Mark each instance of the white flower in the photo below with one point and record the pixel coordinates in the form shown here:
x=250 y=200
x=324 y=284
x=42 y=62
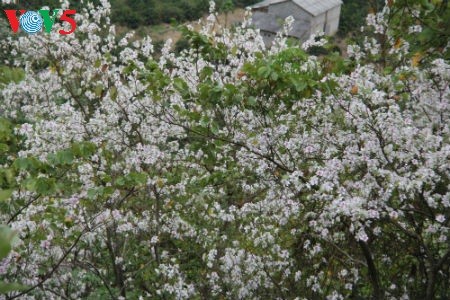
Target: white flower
x=440 y=218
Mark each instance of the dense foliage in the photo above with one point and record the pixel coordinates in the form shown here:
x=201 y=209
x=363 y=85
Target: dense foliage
x=354 y=12
x=228 y=170
x=135 y=13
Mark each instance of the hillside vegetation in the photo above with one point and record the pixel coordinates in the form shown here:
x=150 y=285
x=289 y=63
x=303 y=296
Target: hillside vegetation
x=136 y=13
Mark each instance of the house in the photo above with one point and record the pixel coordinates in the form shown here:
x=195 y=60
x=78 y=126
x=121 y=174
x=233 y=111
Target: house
x=310 y=16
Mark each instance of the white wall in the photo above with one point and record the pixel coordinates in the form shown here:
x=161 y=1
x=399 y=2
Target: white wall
x=288 y=8
x=333 y=20
x=318 y=23
x=327 y=22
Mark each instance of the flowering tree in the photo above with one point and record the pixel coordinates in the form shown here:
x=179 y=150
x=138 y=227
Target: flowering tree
x=229 y=170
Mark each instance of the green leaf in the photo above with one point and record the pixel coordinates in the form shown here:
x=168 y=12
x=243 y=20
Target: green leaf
x=21 y=163
x=299 y=85
x=205 y=73
x=8 y=176
x=113 y=93
x=92 y=193
x=84 y=149
x=274 y=76
x=26 y=163
x=29 y=184
x=4 y=148
x=214 y=128
x=61 y=158
x=6 y=235
x=97 y=63
x=8 y=75
x=264 y=72
x=45 y=186
x=5 y=194
x=132 y=179
x=11 y=287
x=217 y=89
x=251 y=101
x=65 y=157
x=120 y=181
x=138 y=178
x=181 y=86
x=98 y=90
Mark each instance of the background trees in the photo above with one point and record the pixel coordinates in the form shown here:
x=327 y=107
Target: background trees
x=135 y=13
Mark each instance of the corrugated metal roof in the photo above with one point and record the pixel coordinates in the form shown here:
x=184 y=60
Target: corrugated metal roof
x=317 y=7
x=266 y=3
x=314 y=7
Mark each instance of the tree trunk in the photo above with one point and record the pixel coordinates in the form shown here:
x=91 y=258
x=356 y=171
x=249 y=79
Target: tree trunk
x=431 y=276
x=378 y=293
